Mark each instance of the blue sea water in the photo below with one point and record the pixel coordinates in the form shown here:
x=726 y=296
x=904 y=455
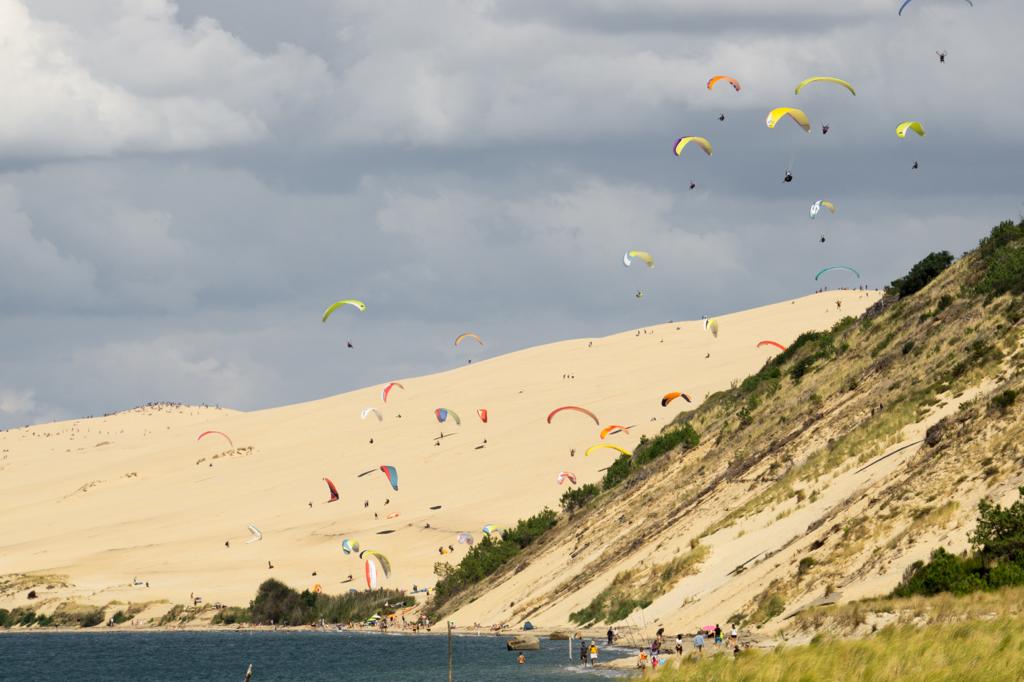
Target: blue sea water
x=277 y=657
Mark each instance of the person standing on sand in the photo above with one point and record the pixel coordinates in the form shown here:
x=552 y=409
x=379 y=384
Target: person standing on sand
x=718 y=636
x=698 y=644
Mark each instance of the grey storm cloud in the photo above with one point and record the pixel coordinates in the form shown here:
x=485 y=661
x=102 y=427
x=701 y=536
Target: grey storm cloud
x=185 y=186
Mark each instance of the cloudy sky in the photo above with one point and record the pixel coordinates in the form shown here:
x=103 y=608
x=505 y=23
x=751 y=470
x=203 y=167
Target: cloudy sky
x=184 y=186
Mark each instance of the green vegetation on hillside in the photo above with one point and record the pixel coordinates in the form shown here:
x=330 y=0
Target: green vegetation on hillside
x=638 y=587
x=488 y=556
x=997 y=559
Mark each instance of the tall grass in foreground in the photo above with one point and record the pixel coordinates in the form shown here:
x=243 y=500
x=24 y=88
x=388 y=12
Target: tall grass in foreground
x=990 y=650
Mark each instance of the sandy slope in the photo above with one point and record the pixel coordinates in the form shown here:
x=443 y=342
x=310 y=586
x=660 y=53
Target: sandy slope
x=134 y=495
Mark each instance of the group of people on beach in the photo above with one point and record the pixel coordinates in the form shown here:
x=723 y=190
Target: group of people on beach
x=652 y=658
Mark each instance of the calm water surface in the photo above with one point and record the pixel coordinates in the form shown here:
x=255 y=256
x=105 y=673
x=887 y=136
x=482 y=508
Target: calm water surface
x=277 y=657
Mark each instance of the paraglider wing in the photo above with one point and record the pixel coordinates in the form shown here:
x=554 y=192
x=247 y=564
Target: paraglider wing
x=358 y=305
x=573 y=408
x=490 y=529
x=701 y=142
x=627 y=259
x=775 y=115
x=826 y=79
x=566 y=476
x=371 y=410
x=608 y=446
x=907 y=2
x=731 y=81
x=334 y=491
x=349 y=546
x=442 y=414
x=901 y=129
x=465 y=539
x=392 y=475
x=218 y=433
x=468 y=335
x=381 y=559
x=256 y=534
x=778 y=345
x=482 y=413
x=711 y=325
x=669 y=397
x=817 y=206
x=836 y=267
x=387 y=390
x=614 y=428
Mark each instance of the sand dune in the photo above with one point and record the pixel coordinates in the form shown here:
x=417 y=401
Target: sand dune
x=134 y=495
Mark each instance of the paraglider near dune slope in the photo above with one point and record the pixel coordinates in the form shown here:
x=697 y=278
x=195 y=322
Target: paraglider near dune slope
x=392 y=475
x=669 y=397
x=333 y=490
x=573 y=408
x=387 y=390
x=762 y=344
x=216 y=433
x=836 y=267
x=606 y=446
x=442 y=414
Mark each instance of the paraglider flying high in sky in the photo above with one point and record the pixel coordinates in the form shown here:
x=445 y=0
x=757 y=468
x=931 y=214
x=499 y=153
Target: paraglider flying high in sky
x=607 y=446
x=387 y=390
x=442 y=414
x=799 y=117
x=334 y=491
x=728 y=79
x=392 y=475
x=901 y=129
x=215 y=433
x=817 y=206
x=907 y=2
x=573 y=408
x=627 y=258
x=468 y=335
x=825 y=79
x=358 y=305
x=836 y=267
x=669 y=397
x=701 y=142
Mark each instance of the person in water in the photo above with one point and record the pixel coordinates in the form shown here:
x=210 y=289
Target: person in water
x=248 y=673
x=611 y=636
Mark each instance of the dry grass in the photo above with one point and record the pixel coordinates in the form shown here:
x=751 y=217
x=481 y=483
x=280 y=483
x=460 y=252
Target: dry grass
x=989 y=651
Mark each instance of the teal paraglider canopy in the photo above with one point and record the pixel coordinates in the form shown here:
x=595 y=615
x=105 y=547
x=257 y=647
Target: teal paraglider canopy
x=836 y=267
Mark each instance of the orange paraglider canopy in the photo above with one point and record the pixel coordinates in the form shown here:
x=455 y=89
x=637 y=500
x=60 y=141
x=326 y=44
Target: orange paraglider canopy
x=614 y=428
x=669 y=397
x=729 y=79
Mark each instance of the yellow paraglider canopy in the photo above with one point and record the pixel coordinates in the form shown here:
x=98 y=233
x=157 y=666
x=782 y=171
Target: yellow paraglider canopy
x=827 y=79
x=606 y=445
x=901 y=129
x=701 y=142
x=358 y=305
x=775 y=115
